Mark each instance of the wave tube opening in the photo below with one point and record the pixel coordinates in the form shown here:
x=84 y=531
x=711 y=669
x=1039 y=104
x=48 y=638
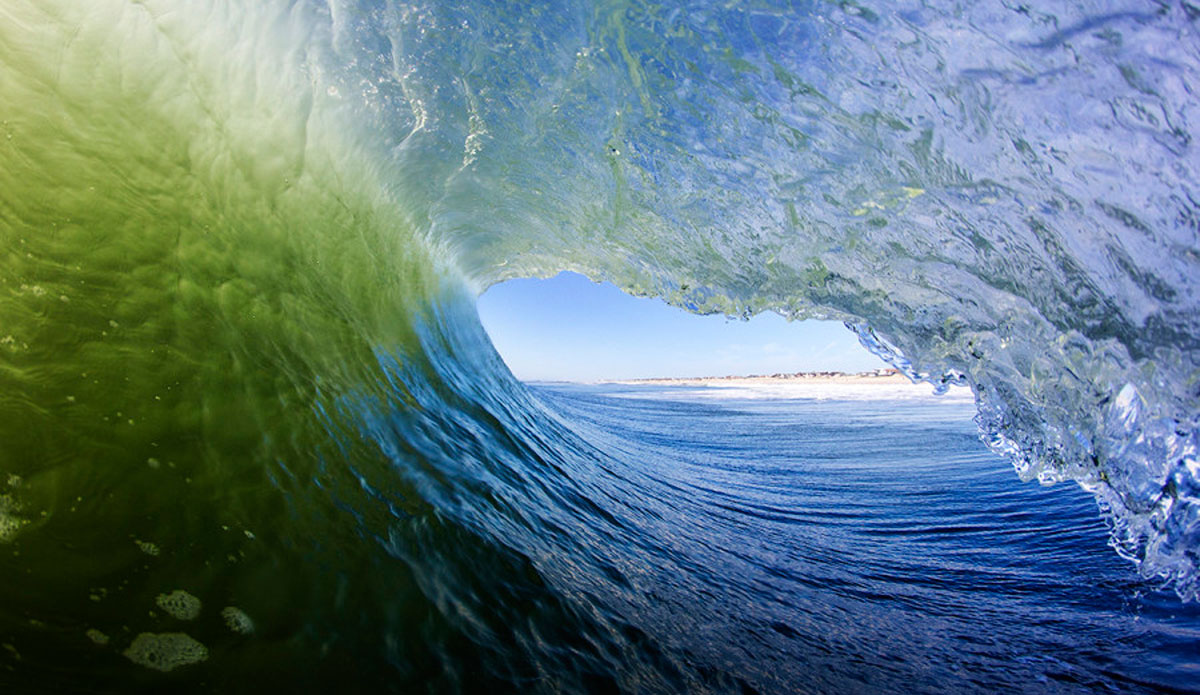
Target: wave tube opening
x=568 y=328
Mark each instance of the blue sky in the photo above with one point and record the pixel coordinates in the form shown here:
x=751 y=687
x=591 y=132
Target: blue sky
x=569 y=328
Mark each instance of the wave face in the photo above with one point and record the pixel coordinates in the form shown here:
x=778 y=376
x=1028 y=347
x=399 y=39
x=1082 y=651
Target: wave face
x=239 y=358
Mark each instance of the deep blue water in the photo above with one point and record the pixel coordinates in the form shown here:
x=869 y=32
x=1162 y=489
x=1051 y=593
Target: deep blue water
x=864 y=546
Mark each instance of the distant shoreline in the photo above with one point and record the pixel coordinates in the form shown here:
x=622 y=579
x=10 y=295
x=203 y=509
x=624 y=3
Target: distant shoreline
x=881 y=384
x=882 y=377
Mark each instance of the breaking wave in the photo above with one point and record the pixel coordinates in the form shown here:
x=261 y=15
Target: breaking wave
x=242 y=243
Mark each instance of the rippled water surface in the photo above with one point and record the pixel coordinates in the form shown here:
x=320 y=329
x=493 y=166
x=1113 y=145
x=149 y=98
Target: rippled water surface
x=868 y=546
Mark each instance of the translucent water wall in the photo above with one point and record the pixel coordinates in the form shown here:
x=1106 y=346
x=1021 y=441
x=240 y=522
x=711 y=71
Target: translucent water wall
x=260 y=198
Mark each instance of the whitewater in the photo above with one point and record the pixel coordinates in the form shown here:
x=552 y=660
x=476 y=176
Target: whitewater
x=242 y=379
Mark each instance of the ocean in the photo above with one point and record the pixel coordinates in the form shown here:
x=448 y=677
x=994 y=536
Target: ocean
x=251 y=428
x=691 y=539
x=845 y=546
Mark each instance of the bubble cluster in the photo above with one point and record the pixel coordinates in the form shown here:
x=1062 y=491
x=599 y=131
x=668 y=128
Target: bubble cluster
x=166 y=651
x=179 y=604
x=96 y=636
x=148 y=547
x=237 y=620
x=10 y=523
